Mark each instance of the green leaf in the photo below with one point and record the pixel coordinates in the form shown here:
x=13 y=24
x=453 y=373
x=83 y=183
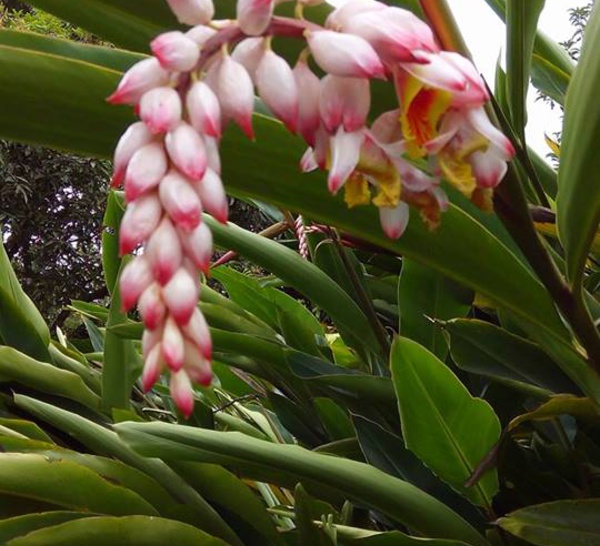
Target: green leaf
x=307 y=510
x=424 y=294
x=43 y=377
x=111 y=260
x=439 y=419
x=107 y=57
x=21 y=525
x=549 y=79
x=66 y=484
x=521 y=25
x=334 y=419
x=482 y=348
x=126 y=531
x=578 y=201
x=397 y=499
x=20 y=322
x=560 y=523
x=26 y=428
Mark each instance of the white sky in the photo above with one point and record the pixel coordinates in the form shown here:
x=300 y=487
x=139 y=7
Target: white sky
x=485 y=36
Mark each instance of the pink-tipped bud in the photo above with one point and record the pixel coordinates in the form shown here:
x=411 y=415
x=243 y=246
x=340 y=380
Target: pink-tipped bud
x=394 y=219
x=212 y=153
x=309 y=90
x=344 y=102
x=197 y=331
x=345 y=153
x=173 y=348
x=134 y=279
x=197 y=367
x=164 y=252
x=186 y=150
x=345 y=55
x=308 y=162
x=150 y=338
x=139 y=222
x=254 y=16
x=145 y=170
x=192 y=12
x=153 y=366
x=180 y=295
x=198 y=246
x=236 y=94
x=151 y=307
x=160 y=109
x=213 y=197
x=136 y=136
x=182 y=392
x=200 y=34
x=204 y=109
x=277 y=87
x=141 y=77
x=175 y=51
x=248 y=53
x=339 y=18
x=180 y=201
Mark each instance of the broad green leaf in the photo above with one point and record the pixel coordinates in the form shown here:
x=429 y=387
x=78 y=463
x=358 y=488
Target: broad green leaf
x=116 y=59
x=224 y=490
x=439 y=418
x=549 y=79
x=560 y=523
x=395 y=498
x=425 y=295
x=43 y=377
x=66 y=484
x=578 y=201
x=95 y=335
x=521 y=24
x=106 y=442
x=483 y=348
x=21 y=525
x=582 y=408
x=72 y=361
x=26 y=428
x=334 y=419
x=23 y=315
x=125 y=531
x=307 y=510
x=274 y=177
x=354 y=536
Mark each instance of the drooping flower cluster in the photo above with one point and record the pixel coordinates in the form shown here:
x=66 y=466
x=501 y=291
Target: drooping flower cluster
x=198 y=81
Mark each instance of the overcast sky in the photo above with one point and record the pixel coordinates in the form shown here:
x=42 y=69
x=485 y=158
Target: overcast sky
x=485 y=36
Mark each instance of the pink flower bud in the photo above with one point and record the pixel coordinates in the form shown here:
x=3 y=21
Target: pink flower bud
x=150 y=338
x=175 y=51
x=200 y=34
x=182 y=392
x=345 y=55
x=151 y=307
x=198 y=246
x=204 y=110
x=134 y=279
x=196 y=330
x=393 y=32
x=212 y=195
x=186 y=150
x=339 y=17
x=180 y=295
x=435 y=71
x=141 y=77
x=196 y=366
x=160 y=109
x=153 y=366
x=173 y=348
x=501 y=145
x=192 y=12
x=345 y=153
x=164 y=252
x=394 y=219
x=254 y=16
x=236 y=94
x=136 y=136
x=277 y=87
x=145 y=170
x=344 y=102
x=180 y=201
x=309 y=89
x=139 y=222
x=212 y=153
x=248 y=53
x=488 y=168
x=308 y=163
